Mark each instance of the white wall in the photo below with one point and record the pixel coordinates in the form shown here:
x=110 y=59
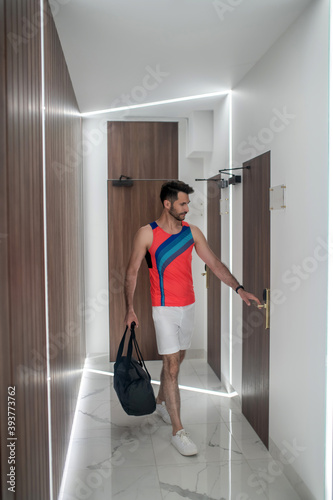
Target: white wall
x=219 y=159
x=292 y=80
x=212 y=162
x=190 y=169
x=96 y=234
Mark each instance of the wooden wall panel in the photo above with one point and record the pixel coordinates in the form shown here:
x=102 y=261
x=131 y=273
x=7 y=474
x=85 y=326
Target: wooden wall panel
x=65 y=245
x=23 y=269
x=141 y=150
x=5 y=365
x=25 y=249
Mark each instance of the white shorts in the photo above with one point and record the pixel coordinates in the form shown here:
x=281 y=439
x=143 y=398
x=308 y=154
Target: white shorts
x=174 y=328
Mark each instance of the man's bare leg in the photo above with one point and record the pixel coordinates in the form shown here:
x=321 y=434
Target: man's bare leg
x=160 y=397
x=169 y=390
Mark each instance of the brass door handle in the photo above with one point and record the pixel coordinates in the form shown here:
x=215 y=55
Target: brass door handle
x=267 y=307
x=207 y=276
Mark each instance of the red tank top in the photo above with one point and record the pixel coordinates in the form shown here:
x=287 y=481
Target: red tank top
x=170 y=267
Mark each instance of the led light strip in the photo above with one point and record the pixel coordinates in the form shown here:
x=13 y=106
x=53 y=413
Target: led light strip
x=156 y=103
x=230 y=240
x=70 y=446
x=231 y=290
x=47 y=327
x=185 y=387
x=329 y=359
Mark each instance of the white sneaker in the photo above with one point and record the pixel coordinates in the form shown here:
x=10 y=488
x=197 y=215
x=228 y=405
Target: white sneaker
x=184 y=444
x=162 y=411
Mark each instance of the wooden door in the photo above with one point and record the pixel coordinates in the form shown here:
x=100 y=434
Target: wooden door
x=214 y=284
x=141 y=150
x=256 y=278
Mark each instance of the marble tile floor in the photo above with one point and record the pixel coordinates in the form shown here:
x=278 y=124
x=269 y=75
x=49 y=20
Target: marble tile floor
x=116 y=456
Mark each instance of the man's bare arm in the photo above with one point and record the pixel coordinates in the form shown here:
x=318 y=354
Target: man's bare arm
x=142 y=241
x=219 y=269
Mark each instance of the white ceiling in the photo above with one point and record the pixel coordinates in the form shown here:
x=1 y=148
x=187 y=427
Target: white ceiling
x=113 y=48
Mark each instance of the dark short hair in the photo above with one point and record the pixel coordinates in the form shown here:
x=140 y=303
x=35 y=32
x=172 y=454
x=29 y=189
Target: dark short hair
x=170 y=190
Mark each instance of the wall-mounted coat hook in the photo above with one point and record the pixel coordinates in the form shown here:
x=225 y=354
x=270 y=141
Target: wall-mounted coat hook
x=227 y=170
x=123 y=181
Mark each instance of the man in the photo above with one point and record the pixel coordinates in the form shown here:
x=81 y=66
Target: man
x=167 y=245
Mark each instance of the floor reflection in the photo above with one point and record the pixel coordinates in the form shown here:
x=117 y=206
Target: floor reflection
x=116 y=456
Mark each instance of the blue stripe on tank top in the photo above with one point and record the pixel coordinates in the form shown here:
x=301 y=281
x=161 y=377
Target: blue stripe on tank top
x=174 y=256
x=173 y=252
x=170 y=242
x=162 y=289
x=165 y=255
x=165 y=265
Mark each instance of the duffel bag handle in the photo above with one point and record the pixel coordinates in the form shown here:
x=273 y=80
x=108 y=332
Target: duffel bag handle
x=122 y=343
x=138 y=353
x=130 y=349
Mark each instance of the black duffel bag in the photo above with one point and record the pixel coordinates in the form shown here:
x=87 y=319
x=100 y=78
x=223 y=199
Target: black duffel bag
x=132 y=379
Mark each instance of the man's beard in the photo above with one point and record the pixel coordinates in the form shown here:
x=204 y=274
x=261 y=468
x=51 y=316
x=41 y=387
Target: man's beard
x=176 y=215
